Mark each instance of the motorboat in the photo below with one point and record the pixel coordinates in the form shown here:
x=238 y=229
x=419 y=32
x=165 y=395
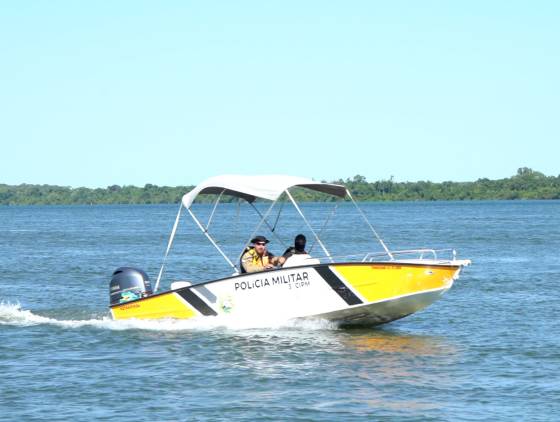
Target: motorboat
x=365 y=288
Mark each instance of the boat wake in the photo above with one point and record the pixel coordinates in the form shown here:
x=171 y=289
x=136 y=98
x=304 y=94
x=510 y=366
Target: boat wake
x=14 y=315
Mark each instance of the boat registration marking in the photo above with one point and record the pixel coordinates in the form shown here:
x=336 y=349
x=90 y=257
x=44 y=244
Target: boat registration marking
x=126 y=307
x=292 y=280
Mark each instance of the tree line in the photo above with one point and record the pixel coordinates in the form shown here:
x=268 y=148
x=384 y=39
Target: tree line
x=526 y=184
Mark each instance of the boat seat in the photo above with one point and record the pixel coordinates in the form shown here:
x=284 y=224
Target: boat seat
x=180 y=284
x=300 y=259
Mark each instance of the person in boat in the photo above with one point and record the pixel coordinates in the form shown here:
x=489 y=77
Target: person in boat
x=258 y=258
x=297 y=255
x=298 y=248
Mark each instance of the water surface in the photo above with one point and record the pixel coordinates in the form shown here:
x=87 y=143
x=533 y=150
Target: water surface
x=490 y=349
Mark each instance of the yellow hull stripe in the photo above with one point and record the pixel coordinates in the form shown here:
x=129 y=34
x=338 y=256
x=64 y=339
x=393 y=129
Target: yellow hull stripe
x=163 y=306
x=381 y=282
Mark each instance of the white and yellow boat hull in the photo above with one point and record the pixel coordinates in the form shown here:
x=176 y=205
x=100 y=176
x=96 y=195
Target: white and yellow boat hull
x=347 y=293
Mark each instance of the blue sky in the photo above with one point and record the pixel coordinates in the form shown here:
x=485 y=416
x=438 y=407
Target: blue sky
x=132 y=92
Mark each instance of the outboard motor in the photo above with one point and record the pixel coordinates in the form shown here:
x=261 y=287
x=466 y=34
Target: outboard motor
x=128 y=284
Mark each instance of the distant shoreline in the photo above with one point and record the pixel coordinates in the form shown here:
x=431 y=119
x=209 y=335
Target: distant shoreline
x=526 y=184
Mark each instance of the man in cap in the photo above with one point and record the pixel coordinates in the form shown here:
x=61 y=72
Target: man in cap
x=298 y=248
x=257 y=257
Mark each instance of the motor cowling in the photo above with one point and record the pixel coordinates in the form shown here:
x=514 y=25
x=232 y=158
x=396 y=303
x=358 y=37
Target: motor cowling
x=128 y=284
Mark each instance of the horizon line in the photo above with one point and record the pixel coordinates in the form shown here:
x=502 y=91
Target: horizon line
x=520 y=171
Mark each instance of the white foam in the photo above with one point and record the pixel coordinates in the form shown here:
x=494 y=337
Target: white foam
x=13 y=314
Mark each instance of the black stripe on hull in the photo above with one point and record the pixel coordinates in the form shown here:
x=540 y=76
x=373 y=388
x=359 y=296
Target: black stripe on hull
x=196 y=302
x=338 y=286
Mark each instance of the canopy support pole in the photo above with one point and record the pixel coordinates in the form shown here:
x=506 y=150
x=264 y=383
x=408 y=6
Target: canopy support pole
x=272 y=229
x=169 y=243
x=370 y=226
x=324 y=226
x=263 y=219
x=198 y=223
x=214 y=209
x=309 y=225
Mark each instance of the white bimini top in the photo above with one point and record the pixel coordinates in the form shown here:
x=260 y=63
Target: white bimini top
x=252 y=187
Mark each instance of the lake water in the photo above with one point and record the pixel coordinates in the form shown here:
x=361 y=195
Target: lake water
x=489 y=349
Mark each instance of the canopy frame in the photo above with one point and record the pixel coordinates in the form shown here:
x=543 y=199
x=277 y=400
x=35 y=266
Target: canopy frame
x=221 y=190
x=333 y=212
x=273 y=228
x=317 y=238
